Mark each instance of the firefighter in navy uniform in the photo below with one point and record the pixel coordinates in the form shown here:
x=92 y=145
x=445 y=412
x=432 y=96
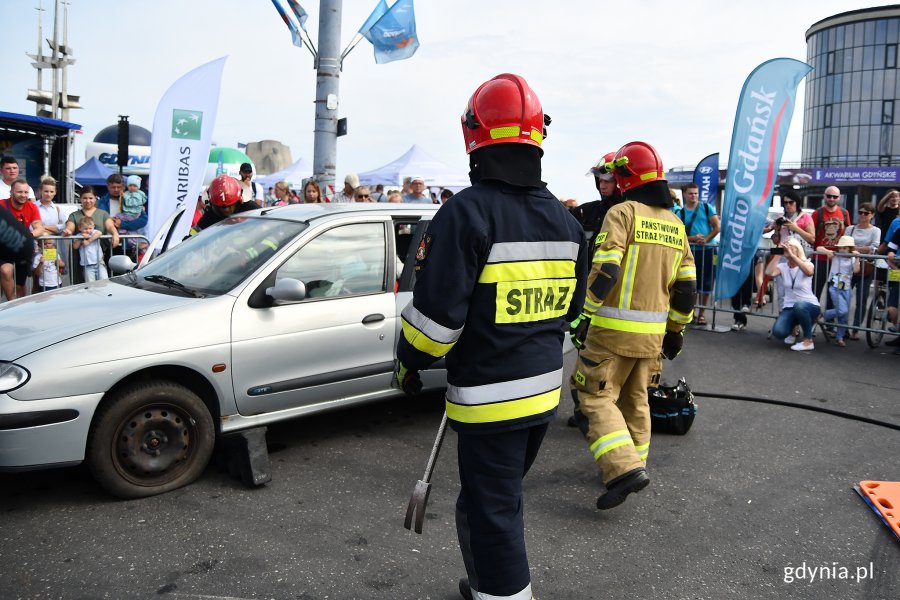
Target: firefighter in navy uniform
x=224 y=200
x=640 y=298
x=591 y=216
x=499 y=270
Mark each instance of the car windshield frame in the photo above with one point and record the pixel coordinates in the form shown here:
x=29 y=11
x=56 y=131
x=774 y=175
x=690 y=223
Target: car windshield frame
x=221 y=257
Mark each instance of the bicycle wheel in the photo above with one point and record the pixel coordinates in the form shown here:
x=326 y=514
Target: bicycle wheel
x=877 y=319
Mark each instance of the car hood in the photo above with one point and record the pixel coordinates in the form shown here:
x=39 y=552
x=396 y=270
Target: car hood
x=41 y=320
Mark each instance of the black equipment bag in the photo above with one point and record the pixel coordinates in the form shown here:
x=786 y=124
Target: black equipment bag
x=672 y=408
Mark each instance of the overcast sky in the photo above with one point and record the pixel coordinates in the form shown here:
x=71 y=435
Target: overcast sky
x=668 y=73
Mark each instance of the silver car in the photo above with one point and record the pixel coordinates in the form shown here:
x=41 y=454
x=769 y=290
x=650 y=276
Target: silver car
x=269 y=315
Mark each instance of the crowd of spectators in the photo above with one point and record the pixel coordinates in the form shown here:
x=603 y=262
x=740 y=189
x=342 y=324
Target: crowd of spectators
x=823 y=246
x=96 y=227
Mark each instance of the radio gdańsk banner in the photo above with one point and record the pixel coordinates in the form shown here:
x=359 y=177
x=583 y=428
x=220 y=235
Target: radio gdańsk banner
x=182 y=135
x=764 y=112
x=706 y=177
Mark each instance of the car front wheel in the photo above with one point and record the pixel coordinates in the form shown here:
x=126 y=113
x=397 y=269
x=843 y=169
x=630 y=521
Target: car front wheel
x=149 y=438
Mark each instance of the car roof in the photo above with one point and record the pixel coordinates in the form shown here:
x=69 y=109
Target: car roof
x=311 y=212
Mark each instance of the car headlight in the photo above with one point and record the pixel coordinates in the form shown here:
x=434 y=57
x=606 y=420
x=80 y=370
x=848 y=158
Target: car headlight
x=12 y=376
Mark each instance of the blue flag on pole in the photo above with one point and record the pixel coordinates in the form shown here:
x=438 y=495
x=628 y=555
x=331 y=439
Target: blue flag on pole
x=394 y=35
x=379 y=12
x=299 y=13
x=764 y=112
x=292 y=27
x=706 y=177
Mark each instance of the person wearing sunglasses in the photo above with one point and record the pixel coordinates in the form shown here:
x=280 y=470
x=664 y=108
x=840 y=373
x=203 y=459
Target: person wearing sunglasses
x=362 y=194
x=829 y=221
x=866 y=237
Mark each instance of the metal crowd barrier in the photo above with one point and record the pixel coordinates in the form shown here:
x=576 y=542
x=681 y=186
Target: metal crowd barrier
x=127 y=243
x=868 y=298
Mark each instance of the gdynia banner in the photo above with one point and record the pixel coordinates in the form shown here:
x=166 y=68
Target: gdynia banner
x=763 y=116
x=182 y=134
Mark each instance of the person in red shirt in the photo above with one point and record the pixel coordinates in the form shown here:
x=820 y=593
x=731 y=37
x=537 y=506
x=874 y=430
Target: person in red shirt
x=829 y=222
x=13 y=275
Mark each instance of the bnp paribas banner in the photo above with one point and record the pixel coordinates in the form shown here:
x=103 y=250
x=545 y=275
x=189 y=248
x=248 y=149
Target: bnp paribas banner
x=763 y=116
x=182 y=135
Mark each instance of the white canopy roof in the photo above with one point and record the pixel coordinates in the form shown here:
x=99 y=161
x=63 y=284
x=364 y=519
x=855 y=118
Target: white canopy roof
x=416 y=163
x=294 y=175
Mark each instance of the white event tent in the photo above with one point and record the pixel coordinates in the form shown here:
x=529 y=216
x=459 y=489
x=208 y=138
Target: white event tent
x=416 y=163
x=293 y=175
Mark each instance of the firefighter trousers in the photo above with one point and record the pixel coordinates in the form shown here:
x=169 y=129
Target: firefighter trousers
x=489 y=510
x=612 y=391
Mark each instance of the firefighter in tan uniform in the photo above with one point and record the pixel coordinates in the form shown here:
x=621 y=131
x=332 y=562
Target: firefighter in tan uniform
x=640 y=298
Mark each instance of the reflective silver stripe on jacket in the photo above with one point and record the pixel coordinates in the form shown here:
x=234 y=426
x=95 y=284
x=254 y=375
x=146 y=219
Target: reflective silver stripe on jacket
x=640 y=316
x=435 y=331
x=516 y=251
x=505 y=390
x=523 y=595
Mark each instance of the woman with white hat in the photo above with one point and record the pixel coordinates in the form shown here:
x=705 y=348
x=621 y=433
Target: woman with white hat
x=839 y=279
x=801 y=307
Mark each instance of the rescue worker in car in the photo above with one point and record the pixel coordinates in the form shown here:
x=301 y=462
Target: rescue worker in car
x=639 y=300
x=591 y=215
x=224 y=200
x=499 y=270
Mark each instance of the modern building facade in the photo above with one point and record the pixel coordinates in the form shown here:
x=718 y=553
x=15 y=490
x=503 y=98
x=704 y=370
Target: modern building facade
x=851 y=115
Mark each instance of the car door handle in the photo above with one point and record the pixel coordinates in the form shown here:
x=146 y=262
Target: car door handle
x=374 y=318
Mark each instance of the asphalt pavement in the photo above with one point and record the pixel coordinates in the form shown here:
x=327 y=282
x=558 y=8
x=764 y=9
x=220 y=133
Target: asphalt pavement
x=756 y=501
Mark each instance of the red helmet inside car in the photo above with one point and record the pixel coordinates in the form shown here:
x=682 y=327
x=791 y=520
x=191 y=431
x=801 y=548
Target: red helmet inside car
x=224 y=191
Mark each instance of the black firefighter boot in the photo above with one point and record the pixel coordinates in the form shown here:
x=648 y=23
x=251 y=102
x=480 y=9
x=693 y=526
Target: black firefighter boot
x=618 y=489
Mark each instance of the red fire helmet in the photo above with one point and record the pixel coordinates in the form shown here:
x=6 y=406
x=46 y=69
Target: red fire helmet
x=599 y=169
x=503 y=110
x=224 y=191
x=635 y=164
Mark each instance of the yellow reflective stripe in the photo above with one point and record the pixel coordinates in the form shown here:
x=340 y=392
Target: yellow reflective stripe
x=271 y=244
x=687 y=273
x=650 y=175
x=505 y=410
x=643 y=450
x=680 y=317
x=675 y=263
x=629 y=326
x=611 y=441
x=608 y=256
x=537 y=136
x=504 y=132
x=590 y=306
x=627 y=290
x=525 y=270
x=422 y=342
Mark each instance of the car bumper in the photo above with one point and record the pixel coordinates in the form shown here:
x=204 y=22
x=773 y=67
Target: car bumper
x=39 y=433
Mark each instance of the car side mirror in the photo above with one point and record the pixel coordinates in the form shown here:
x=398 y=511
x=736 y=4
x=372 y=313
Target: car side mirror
x=121 y=264
x=287 y=290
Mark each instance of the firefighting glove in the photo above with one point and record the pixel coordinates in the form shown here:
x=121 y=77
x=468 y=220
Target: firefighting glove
x=407 y=380
x=672 y=343
x=578 y=330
